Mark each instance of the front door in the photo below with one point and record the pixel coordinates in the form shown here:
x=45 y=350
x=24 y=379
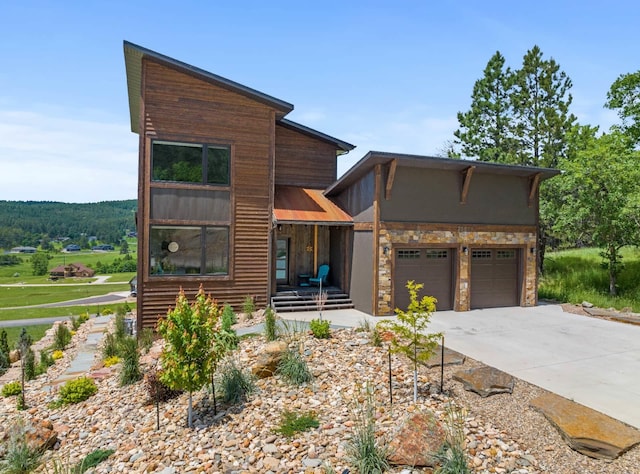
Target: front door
x=282 y=261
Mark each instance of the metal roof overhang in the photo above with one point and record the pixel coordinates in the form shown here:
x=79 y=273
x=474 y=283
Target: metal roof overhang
x=294 y=205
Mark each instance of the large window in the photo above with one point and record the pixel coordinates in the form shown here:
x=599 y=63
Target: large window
x=190 y=163
x=189 y=250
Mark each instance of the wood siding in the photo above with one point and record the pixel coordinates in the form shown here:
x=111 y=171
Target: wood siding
x=180 y=107
x=304 y=161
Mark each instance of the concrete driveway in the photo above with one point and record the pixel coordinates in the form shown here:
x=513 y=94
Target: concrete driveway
x=591 y=361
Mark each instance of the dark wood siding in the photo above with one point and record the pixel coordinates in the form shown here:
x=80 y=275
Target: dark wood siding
x=358 y=198
x=304 y=161
x=433 y=267
x=301 y=238
x=431 y=195
x=494 y=277
x=180 y=107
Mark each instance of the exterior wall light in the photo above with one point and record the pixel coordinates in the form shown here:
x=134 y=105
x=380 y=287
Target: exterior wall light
x=465 y=250
x=385 y=250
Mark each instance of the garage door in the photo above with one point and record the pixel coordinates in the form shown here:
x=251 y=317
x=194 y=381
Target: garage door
x=432 y=267
x=494 y=278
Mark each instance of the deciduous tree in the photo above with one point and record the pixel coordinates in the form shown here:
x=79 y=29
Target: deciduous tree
x=600 y=198
x=409 y=328
x=189 y=355
x=624 y=97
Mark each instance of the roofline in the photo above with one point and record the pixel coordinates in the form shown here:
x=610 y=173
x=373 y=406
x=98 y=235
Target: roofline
x=342 y=145
x=134 y=54
x=373 y=158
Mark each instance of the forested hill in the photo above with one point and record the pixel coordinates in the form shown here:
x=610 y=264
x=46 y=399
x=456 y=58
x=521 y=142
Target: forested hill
x=27 y=222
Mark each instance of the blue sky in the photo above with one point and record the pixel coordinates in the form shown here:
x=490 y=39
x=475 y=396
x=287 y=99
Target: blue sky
x=383 y=75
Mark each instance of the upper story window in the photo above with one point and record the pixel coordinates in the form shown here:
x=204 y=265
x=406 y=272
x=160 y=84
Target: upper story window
x=190 y=163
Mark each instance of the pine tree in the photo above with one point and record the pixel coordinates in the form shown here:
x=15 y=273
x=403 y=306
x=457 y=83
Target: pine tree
x=624 y=96
x=485 y=130
x=541 y=101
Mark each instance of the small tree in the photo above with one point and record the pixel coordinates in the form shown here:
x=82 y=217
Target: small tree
x=410 y=330
x=40 y=263
x=5 y=362
x=189 y=355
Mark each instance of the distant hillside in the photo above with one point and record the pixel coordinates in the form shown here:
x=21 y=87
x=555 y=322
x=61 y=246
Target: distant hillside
x=27 y=222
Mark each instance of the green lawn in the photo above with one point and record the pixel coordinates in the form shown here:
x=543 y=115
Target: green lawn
x=34 y=313
x=23 y=272
x=575 y=276
x=11 y=296
x=36 y=332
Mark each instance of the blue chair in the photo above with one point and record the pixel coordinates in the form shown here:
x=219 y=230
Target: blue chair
x=323 y=273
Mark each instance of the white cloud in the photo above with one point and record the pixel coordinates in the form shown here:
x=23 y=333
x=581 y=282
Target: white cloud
x=49 y=157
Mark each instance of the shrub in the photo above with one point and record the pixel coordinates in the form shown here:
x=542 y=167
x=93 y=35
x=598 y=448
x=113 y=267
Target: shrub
x=226 y=340
x=106 y=312
x=270 y=327
x=294 y=369
x=120 y=330
x=451 y=455
x=128 y=350
x=157 y=390
x=55 y=355
x=110 y=346
x=75 y=323
x=61 y=337
x=78 y=390
x=12 y=388
x=109 y=361
x=5 y=362
x=248 y=306
x=229 y=317
x=20 y=457
x=363 y=449
x=46 y=361
x=83 y=318
x=235 y=384
x=292 y=422
x=320 y=328
x=145 y=339
x=92 y=460
x=29 y=364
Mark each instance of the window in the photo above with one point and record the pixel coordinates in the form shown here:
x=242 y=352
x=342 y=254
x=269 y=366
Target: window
x=408 y=254
x=481 y=254
x=190 y=163
x=506 y=254
x=436 y=254
x=189 y=250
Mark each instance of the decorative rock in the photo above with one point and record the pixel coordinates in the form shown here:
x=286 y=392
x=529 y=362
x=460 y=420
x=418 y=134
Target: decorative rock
x=267 y=362
x=419 y=437
x=450 y=358
x=40 y=435
x=586 y=304
x=585 y=430
x=14 y=356
x=485 y=381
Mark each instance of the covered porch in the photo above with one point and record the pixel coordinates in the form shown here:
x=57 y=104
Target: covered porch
x=309 y=232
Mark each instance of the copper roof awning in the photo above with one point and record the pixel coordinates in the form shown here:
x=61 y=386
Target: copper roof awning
x=295 y=205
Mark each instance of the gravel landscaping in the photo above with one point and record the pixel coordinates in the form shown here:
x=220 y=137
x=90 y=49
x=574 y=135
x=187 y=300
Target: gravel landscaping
x=502 y=433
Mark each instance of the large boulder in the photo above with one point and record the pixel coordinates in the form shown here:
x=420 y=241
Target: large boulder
x=418 y=438
x=585 y=430
x=268 y=359
x=485 y=381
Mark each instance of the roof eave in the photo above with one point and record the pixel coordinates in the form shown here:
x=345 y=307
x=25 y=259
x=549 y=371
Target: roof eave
x=341 y=145
x=134 y=54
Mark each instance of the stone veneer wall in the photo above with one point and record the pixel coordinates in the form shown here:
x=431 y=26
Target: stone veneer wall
x=391 y=236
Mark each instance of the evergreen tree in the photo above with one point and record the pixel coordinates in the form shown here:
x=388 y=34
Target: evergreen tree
x=485 y=130
x=541 y=101
x=40 y=263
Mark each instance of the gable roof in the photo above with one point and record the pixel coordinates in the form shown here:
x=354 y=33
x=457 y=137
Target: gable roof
x=342 y=146
x=373 y=158
x=133 y=55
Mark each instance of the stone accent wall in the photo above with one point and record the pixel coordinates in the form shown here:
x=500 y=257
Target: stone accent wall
x=402 y=234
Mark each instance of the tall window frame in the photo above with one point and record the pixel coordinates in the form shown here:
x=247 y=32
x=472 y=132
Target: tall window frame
x=184 y=183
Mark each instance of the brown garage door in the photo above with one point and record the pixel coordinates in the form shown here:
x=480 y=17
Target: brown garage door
x=432 y=267
x=494 y=278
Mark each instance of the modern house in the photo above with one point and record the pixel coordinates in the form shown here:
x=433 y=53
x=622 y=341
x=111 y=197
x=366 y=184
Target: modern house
x=237 y=198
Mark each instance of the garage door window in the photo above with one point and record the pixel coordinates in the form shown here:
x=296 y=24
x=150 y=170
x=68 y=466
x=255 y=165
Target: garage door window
x=436 y=254
x=408 y=254
x=505 y=254
x=481 y=254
